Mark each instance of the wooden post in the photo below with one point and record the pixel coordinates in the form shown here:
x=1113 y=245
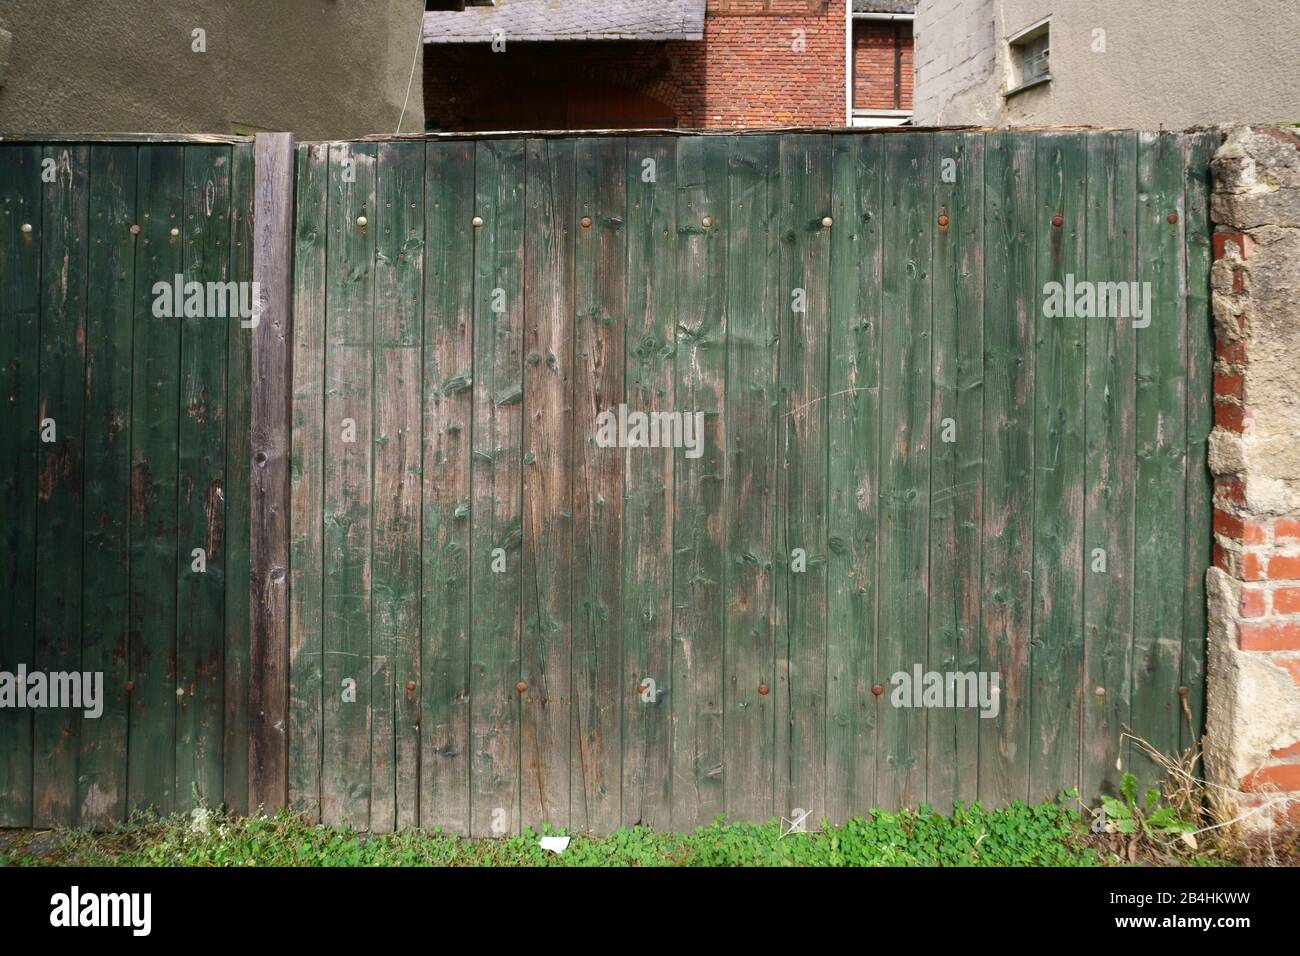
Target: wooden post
x=269 y=431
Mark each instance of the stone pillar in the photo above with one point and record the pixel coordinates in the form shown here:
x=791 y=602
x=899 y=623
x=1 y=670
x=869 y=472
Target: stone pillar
x=1252 y=743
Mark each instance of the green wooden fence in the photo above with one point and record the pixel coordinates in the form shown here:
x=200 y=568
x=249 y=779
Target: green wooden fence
x=121 y=434
x=495 y=621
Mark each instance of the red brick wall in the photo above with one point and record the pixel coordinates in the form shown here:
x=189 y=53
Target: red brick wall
x=874 y=59
x=745 y=72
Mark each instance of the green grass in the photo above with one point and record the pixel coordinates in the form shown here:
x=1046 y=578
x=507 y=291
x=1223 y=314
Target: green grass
x=1047 y=834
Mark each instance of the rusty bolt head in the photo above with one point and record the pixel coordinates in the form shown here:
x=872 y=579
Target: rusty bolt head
x=521 y=687
x=640 y=688
x=1058 y=220
x=27 y=229
x=476 y=221
x=129 y=685
x=943 y=221
x=410 y=685
x=135 y=229
x=707 y=222
x=1173 y=218
x=585 y=222
x=762 y=690
x=877 y=689
x=1183 y=692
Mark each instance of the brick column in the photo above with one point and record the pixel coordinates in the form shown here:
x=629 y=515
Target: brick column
x=1252 y=745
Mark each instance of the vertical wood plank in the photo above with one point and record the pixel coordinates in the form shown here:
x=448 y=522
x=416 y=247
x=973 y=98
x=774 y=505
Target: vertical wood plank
x=1056 y=682
x=155 y=419
x=547 y=472
x=1109 y=468
x=648 y=516
x=1160 y=562
x=496 y=511
x=854 y=429
x=56 y=731
x=1011 y=302
x=306 y=489
x=447 y=418
x=270 y=431
x=1198 y=151
x=21 y=197
x=952 y=763
x=753 y=350
x=905 y=438
x=805 y=276
x=699 y=536
x=600 y=303
x=237 y=489
x=399 y=319
x=201 y=509
x=348 y=476
x=101 y=777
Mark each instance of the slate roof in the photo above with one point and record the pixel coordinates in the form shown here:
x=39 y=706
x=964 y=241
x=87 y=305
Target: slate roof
x=569 y=20
x=884 y=6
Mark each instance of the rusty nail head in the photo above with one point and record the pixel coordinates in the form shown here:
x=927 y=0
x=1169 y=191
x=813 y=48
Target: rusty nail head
x=129 y=685
x=586 y=222
x=943 y=220
x=762 y=690
x=1173 y=218
x=877 y=689
x=410 y=685
x=1183 y=692
x=1058 y=220
x=640 y=688
x=521 y=687
x=135 y=229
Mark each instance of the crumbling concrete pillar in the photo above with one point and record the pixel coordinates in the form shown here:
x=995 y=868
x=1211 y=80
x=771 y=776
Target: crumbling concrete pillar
x=1252 y=744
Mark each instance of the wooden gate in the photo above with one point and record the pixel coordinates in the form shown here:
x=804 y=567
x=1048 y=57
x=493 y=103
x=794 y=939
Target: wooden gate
x=909 y=460
x=916 y=454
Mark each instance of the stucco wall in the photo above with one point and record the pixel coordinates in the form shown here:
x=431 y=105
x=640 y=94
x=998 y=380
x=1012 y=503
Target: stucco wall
x=1176 y=63
x=317 y=68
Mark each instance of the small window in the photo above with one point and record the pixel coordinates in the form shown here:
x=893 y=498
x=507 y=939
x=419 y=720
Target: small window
x=1029 y=55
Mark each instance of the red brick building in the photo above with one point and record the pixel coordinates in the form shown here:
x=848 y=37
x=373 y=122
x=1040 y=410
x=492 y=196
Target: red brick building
x=592 y=64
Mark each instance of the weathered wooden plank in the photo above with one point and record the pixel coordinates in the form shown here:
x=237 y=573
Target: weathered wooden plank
x=21 y=196
x=496 y=511
x=110 y=304
x=348 y=476
x=956 y=459
x=269 y=428
x=1109 y=468
x=1056 y=663
x=306 y=490
x=600 y=302
x=1161 y=427
x=699 y=536
x=1198 y=151
x=805 y=303
x=1011 y=304
x=237 y=489
x=399 y=320
x=447 y=418
x=754 y=301
x=64 y=250
x=853 y=398
x=547 y=476
x=155 y=417
x=201 y=509
x=905 y=440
